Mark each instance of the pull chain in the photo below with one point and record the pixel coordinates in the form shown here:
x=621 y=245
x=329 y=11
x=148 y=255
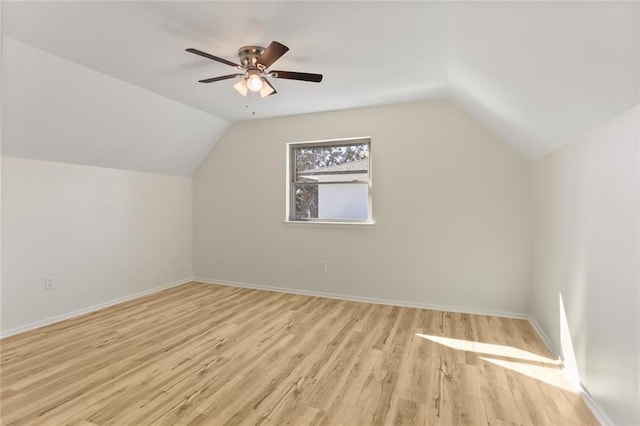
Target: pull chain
x=252 y=102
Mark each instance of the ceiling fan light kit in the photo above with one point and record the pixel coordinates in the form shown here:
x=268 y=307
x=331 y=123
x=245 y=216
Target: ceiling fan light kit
x=254 y=62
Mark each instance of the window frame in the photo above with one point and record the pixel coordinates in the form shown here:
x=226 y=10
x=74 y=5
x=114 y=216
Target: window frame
x=291 y=176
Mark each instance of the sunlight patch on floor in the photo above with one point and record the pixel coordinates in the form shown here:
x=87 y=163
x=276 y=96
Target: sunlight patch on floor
x=550 y=375
x=488 y=349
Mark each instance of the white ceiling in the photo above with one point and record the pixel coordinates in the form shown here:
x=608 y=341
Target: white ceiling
x=537 y=74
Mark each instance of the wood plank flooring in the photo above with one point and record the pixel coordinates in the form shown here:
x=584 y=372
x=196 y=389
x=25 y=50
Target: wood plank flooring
x=202 y=354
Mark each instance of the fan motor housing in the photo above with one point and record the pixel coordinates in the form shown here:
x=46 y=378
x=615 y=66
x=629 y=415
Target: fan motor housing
x=249 y=56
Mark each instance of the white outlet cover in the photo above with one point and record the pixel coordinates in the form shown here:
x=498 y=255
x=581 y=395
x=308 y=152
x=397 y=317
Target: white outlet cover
x=49 y=283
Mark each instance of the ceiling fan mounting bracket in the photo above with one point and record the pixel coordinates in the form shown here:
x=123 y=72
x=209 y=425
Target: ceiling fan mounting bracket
x=249 y=56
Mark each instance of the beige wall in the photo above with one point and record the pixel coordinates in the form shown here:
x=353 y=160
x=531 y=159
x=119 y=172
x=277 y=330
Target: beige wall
x=102 y=234
x=586 y=214
x=449 y=201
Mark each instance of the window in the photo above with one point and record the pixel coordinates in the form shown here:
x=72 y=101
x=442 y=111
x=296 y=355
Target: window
x=329 y=181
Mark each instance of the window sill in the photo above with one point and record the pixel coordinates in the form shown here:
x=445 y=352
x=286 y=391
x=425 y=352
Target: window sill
x=313 y=224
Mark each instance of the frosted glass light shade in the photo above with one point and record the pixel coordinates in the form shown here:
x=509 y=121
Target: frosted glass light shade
x=266 y=90
x=241 y=87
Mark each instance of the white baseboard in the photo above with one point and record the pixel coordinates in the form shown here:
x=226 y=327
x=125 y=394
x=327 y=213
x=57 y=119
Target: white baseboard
x=543 y=336
x=377 y=301
x=92 y=308
x=600 y=415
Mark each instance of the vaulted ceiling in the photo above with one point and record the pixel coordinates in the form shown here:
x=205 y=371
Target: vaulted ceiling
x=537 y=74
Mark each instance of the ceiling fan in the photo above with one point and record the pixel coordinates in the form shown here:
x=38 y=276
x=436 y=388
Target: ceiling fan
x=254 y=61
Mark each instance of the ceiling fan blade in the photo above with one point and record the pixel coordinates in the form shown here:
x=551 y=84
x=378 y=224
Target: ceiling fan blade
x=222 y=77
x=267 y=89
x=214 y=58
x=303 y=76
x=272 y=53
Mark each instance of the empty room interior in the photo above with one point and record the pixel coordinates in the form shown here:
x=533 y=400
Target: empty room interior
x=320 y=213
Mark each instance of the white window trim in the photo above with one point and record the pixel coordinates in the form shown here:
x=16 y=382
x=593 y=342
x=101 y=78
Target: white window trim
x=326 y=223
x=364 y=223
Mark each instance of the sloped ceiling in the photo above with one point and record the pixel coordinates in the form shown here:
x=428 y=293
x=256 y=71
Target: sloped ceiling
x=542 y=74
x=537 y=74
x=56 y=110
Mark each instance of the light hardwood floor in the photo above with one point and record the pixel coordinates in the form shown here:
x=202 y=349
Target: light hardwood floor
x=212 y=355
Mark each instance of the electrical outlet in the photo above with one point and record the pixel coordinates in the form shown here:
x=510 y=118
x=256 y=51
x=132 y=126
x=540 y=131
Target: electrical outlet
x=324 y=265
x=49 y=283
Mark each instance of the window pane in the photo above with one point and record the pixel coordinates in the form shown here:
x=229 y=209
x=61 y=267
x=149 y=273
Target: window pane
x=344 y=201
x=306 y=201
x=314 y=162
x=337 y=201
